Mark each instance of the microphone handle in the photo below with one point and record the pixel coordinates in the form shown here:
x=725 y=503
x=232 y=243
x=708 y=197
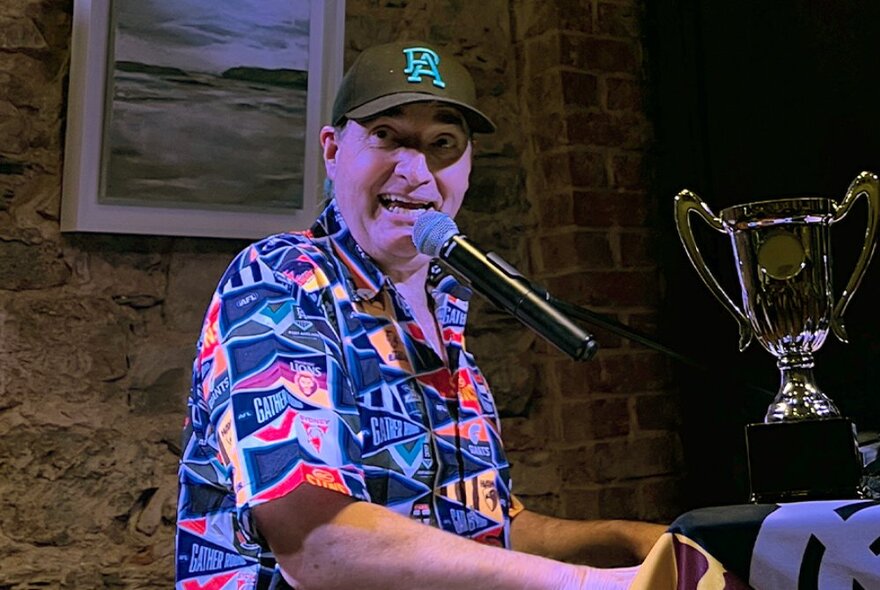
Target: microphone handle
x=510 y=291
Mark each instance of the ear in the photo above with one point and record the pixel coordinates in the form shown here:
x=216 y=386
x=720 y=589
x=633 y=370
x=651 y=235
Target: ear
x=329 y=148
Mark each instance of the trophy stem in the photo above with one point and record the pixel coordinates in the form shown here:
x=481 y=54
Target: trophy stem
x=799 y=398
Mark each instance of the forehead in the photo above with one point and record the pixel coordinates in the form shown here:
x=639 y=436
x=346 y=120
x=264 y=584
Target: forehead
x=422 y=113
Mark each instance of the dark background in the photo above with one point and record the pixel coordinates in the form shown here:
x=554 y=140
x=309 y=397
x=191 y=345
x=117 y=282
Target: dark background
x=757 y=100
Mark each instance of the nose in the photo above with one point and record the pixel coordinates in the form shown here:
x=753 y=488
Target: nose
x=412 y=165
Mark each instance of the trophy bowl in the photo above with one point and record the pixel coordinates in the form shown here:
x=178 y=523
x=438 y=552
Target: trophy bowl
x=782 y=252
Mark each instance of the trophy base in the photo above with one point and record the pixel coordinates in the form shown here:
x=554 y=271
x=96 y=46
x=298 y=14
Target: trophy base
x=805 y=460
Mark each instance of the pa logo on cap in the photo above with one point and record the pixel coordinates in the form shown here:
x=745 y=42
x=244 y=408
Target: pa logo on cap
x=421 y=61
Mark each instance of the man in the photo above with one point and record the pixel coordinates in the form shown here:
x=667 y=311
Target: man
x=385 y=468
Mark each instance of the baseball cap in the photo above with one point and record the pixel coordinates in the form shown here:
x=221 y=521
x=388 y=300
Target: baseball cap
x=404 y=72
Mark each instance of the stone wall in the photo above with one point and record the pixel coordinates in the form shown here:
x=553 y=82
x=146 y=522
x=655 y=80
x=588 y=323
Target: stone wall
x=96 y=331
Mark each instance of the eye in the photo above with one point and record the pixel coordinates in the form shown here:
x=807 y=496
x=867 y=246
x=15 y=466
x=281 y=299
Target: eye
x=445 y=142
x=447 y=148
x=383 y=137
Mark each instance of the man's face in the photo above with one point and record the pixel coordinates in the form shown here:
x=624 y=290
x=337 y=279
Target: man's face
x=388 y=170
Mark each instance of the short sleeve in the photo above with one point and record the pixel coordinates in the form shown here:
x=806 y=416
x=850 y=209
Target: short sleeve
x=516 y=506
x=280 y=404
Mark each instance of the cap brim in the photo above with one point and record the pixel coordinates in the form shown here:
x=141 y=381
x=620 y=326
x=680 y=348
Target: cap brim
x=477 y=121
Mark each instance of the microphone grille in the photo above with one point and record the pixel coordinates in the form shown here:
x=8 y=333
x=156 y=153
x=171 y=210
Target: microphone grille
x=431 y=230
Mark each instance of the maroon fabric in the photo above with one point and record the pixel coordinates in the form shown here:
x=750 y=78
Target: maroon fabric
x=692 y=564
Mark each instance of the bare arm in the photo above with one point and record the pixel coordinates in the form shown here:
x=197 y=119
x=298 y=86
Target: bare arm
x=601 y=543
x=336 y=542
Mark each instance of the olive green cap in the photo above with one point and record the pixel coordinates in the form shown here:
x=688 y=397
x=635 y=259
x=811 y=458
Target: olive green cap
x=404 y=72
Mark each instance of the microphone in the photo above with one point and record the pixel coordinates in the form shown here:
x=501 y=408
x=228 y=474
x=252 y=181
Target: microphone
x=436 y=235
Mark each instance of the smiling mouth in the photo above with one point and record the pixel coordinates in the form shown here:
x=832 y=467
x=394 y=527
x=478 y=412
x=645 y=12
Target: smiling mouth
x=395 y=204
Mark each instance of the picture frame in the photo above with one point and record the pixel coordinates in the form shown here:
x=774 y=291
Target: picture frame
x=122 y=171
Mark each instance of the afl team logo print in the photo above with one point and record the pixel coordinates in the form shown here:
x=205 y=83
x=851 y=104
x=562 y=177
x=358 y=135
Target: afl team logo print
x=421 y=61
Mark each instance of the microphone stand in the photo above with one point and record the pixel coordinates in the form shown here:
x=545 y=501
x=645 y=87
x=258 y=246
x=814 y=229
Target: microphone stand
x=615 y=327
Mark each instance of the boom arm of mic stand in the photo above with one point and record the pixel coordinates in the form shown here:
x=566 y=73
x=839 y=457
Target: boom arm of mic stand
x=615 y=327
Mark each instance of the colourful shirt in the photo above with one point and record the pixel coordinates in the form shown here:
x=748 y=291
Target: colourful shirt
x=310 y=369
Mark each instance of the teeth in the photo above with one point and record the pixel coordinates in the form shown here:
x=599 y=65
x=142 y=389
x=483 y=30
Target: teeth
x=393 y=204
x=404 y=211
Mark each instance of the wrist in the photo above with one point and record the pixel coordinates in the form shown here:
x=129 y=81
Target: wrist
x=607 y=579
x=572 y=577
x=640 y=537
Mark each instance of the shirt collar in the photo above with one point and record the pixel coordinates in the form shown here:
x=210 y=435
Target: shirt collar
x=366 y=277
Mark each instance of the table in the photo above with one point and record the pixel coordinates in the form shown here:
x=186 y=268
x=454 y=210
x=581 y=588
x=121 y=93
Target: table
x=821 y=545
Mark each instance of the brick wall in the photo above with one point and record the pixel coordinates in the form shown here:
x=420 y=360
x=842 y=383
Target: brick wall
x=607 y=428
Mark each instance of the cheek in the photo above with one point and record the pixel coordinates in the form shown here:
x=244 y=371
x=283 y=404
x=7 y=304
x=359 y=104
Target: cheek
x=453 y=187
x=366 y=175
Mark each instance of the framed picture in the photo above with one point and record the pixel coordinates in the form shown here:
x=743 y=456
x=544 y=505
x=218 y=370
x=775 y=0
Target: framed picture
x=198 y=119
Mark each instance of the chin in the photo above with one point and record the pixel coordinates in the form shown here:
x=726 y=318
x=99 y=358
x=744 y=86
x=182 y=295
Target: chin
x=405 y=253
x=404 y=249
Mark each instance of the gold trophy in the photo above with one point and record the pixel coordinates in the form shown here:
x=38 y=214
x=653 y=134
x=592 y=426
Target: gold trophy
x=782 y=253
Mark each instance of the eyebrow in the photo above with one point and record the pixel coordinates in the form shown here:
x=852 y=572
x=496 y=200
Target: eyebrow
x=393 y=112
x=450 y=117
x=446 y=116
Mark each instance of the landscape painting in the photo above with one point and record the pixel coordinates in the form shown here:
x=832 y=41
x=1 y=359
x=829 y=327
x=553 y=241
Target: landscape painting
x=208 y=104
x=196 y=118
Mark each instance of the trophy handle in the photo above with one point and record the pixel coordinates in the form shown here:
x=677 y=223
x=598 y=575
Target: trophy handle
x=866 y=185
x=687 y=202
